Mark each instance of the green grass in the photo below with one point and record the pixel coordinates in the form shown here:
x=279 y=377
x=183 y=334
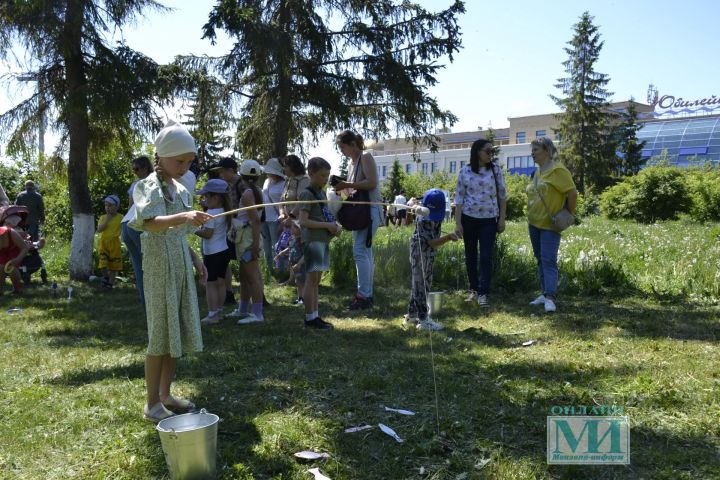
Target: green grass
x=72 y=385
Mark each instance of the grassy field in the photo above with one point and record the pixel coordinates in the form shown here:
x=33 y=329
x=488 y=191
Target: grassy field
x=72 y=386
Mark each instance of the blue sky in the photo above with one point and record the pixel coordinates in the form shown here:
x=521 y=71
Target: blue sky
x=513 y=52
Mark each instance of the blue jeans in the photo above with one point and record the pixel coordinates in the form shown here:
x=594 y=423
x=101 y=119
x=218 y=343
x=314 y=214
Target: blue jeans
x=269 y=232
x=131 y=238
x=545 y=244
x=364 y=262
x=480 y=231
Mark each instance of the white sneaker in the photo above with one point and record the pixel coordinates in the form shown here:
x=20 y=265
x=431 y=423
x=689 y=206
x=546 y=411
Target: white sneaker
x=539 y=300
x=428 y=324
x=250 y=318
x=410 y=321
x=482 y=300
x=549 y=305
x=472 y=296
x=238 y=314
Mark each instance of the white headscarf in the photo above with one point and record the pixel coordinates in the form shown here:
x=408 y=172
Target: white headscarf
x=174 y=139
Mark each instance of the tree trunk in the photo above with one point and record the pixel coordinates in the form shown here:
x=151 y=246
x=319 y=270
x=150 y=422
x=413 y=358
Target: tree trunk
x=281 y=129
x=80 y=262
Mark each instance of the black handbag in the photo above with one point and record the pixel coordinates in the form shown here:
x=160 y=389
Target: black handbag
x=355 y=217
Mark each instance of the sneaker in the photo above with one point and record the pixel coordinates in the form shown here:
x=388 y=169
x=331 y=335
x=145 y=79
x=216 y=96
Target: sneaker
x=472 y=296
x=298 y=301
x=211 y=319
x=482 y=300
x=539 y=300
x=318 y=323
x=157 y=413
x=238 y=314
x=250 y=318
x=410 y=320
x=428 y=324
x=229 y=298
x=360 y=303
x=550 y=305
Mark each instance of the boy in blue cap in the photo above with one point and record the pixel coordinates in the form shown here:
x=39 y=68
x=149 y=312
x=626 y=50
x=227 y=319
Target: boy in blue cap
x=423 y=243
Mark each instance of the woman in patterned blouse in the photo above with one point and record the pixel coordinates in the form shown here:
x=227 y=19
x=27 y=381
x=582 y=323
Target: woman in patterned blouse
x=481 y=200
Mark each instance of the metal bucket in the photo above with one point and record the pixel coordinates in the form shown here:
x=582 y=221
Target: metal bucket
x=435 y=301
x=190 y=445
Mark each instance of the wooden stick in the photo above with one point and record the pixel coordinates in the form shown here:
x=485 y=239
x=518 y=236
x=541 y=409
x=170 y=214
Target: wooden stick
x=297 y=202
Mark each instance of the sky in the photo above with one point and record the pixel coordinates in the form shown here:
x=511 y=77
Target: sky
x=512 y=53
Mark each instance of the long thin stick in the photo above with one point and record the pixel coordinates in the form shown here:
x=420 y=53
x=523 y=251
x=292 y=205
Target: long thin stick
x=297 y=202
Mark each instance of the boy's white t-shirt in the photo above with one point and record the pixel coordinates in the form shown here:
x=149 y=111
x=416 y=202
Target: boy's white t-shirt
x=218 y=242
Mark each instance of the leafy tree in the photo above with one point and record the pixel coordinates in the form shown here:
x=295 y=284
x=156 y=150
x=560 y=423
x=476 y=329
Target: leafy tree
x=344 y=167
x=585 y=118
x=303 y=68
x=627 y=142
x=393 y=185
x=91 y=93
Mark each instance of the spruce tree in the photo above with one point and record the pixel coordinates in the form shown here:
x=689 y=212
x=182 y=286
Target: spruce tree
x=585 y=120
x=299 y=69
x=393 y=185
x=627 y=141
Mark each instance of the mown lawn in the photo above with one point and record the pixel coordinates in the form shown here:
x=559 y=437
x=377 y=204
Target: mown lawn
x=72 y=388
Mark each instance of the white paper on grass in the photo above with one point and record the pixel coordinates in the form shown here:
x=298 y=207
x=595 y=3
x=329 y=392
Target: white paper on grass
x=359 y=428
x=528 y=343
x=318 y=475
x=399 y=410
x=309 y=455
x=389 y=431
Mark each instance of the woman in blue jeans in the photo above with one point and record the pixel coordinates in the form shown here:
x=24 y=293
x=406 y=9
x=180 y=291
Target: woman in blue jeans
x=363 y=173
x=551 y=187
x=481 y=202
x=141 y=167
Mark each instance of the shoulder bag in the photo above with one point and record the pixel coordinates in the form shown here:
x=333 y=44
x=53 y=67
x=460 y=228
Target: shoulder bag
x=351 y=216
x=563 y=218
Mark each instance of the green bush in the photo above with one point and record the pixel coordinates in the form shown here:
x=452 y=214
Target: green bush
x=58 y=216
x=656 y=193
x=517 y=197
x=703 y=185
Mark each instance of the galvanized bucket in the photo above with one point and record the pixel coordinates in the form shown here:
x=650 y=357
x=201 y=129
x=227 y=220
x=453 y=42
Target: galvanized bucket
x=190 y=445
x=434 y=301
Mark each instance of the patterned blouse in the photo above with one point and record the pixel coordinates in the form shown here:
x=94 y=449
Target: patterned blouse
x=477 y=193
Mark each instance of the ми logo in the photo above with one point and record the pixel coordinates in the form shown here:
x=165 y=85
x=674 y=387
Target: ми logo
x=588 y=440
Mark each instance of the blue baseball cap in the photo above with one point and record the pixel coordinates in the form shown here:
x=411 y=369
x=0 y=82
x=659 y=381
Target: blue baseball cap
x=434 y=200
x=214 y=185
x=112 y=199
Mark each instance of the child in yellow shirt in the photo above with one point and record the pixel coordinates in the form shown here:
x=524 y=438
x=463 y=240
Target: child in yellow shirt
x=109 y=227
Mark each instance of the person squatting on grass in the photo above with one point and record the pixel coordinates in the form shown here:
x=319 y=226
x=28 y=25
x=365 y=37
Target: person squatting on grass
x=553 y=184
x=481 y=199
x=13 y=250
x=164 y=214
x=247 y=226
x=423 y=243
x=318 y=227
x=215 y=250
x=363 y=173
x=109 y=251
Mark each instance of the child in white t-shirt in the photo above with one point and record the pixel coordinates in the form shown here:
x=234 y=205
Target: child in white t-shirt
x=216 y=253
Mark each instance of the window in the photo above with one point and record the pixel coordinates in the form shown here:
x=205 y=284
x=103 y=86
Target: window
x=424 y=168
x=540 y=133
x=407 y=168
x=433 y=167
x=453 y=167
x=520 y=137
x=384 y=171
x=462 y=164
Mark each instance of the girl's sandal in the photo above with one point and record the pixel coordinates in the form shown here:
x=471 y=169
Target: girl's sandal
x=178 y=404
x=157 y=413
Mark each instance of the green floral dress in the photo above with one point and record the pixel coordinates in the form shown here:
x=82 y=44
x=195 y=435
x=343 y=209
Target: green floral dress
x=171 y=300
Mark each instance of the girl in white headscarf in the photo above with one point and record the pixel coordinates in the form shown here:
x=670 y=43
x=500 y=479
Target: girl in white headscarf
x=163 y=211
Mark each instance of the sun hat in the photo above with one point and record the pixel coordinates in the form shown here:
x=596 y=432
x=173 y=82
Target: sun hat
x=112 y=199
x=250 y=168
x=173 y=140
x=214 y=185
x=434 y=200
x=227 y=162
x=273 y=167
